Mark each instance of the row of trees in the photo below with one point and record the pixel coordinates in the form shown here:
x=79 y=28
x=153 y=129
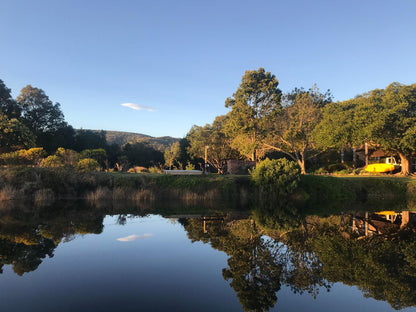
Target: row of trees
x=303 y=123
x=32 y=122
x=299 y=125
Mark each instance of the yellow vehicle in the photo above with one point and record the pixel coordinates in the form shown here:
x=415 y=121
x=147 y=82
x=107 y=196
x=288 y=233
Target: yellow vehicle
x=388 y=165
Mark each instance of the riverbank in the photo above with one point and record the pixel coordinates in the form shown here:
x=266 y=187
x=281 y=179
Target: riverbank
x=47 y=184
x=42 y=184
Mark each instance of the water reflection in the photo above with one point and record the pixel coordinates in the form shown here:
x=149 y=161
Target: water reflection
x=375 y=252
x=271 y=247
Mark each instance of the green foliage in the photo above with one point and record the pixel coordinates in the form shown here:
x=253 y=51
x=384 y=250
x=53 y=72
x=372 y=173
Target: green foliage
x=121 y=138
x=256 y=102
x=8 y=105
x=213 y=140
x=89 y=139
x=98 y=154
x=87 y=165
x=13 y=158
x=277 y=176
x=155 y=169
x=172 y=155
x=52 y=161
x=290 y=132
x=14 y=135
x=39 y=113
x=35 y=155
x=142 y=154
x=31 y=156
x=190 y=166
x=69 y=157
x=385 y=118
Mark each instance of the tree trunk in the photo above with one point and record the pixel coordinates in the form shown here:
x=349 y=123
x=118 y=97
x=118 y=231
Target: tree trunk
x=366 y=153
x=301 y=163
x=405 y=162
x=354 y=157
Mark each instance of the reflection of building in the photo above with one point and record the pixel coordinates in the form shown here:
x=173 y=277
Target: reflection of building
x=383 y=222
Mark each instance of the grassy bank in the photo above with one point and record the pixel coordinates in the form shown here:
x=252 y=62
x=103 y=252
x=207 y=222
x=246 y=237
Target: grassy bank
x=332 y=188
x=48 y=184
x=42 y=184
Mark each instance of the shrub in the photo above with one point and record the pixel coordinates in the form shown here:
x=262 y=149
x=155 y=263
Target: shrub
x=8 y=192
x=35 y=155
x=88 y=164
x=277 y=176
x=190 y=166
x=138 y=169
x=52 y=161
x=12 y=158
x=155 y=170
x=44 y=197
x=336 y=167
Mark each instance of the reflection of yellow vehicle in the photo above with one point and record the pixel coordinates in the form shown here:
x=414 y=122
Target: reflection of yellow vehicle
x=388 y=165
x=388 y=215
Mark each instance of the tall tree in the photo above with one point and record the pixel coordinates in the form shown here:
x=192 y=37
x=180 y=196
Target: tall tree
x=213 y=138
x=44 y=118
x=8 y=105
x=172 y=155
x=39 y=113
x=256 y=101
x=291 y=131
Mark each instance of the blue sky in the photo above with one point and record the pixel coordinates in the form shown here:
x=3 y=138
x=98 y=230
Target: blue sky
x=179 y=60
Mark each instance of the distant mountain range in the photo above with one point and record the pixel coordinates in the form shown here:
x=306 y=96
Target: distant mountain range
x=120 y=138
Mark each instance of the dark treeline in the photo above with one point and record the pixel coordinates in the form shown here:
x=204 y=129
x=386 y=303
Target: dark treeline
x=304 y=126
x=33 y=131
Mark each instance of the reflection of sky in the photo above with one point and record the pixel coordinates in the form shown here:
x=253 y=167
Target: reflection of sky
x=134 y=237
x=164 y=273
x=98 y=273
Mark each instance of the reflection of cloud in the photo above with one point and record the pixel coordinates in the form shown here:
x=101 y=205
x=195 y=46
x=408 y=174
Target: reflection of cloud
x=139 y=107
x=134 y=237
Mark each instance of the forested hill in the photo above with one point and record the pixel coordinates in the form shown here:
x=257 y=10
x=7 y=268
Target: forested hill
x=120 y=138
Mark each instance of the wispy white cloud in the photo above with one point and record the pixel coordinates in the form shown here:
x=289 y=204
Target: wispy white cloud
x=139 y=107
x=134 y=237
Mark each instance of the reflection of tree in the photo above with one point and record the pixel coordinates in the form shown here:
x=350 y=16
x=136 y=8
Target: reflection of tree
x=253 y=269
x=25 y=258
x=27 y=236
x=382 y=268
x=258 y=265
x=308 y=253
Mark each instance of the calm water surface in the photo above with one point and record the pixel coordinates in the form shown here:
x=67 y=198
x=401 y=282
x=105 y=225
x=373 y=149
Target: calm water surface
x=92 y=259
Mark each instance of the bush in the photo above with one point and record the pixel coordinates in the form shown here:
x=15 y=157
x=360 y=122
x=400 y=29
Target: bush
x=277 y=176
x=190 y=166
x=88 y=164
x=52 y=161
x=155 y=170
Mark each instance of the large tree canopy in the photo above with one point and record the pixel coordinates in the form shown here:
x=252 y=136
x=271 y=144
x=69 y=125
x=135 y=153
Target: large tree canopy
x=385 y=118
x=39 y=113
x=290 y=132
x=256 y=101
x=213 y=138
x=8 y=105
x=45 y=119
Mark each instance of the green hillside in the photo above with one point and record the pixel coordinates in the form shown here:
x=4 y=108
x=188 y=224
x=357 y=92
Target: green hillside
x=121 y=138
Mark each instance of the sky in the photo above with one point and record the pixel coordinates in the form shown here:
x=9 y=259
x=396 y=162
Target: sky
x=158 y=67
